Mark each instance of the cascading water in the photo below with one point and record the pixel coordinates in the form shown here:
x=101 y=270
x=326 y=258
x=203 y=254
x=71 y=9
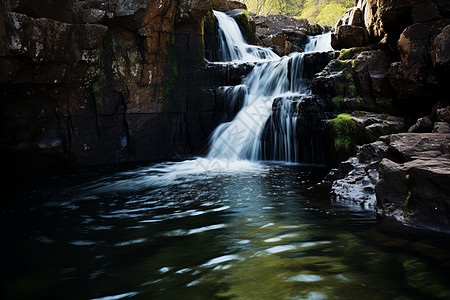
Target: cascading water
x=232 y=45
x=319 y=43
x=272 y=78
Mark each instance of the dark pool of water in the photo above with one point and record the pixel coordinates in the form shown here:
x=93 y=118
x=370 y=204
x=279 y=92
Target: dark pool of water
x=237 y=232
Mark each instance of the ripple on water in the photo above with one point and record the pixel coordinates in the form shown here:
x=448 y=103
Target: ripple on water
x=221 y=259
x=117 y=297
x=305 y=278
x=279 y=249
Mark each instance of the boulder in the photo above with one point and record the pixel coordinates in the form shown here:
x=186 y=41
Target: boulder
x=347 y=36
x=408 y=173
x=425 y=11
x=236 y=5
x=424 y=124
x=443 y=114
x=416 y=192
x=441 y=127
x=440 y=51
x=410 y=77
x=353 y=16
x=284 y=34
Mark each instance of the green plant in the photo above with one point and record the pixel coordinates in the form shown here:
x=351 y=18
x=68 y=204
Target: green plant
x=346 y=54
x=337 y=101
x=346 y=133
x=97 y=90
x=405 y=203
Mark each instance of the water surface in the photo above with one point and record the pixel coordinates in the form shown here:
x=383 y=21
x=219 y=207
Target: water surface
x=222 y=230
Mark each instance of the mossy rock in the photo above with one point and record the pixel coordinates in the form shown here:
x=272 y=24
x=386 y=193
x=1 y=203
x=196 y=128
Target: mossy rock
x=244 y=23
x=347 y=54
x=347 y=134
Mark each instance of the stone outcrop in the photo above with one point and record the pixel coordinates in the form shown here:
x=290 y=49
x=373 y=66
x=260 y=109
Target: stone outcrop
x=282 y=33
x=402 y=69
x=91 y=82
x=404 y=175
x=347 y=36
x=408 y=30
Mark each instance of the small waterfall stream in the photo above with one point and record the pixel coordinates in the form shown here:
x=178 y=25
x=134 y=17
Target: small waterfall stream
x=272 y=78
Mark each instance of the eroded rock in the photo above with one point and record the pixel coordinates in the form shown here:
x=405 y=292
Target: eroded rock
x=410 y=173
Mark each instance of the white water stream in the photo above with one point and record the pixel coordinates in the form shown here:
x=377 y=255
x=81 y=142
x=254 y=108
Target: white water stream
x=236 y=145
x=273 y=77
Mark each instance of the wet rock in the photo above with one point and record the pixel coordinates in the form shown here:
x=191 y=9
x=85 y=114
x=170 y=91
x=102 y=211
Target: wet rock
x=412 y=187
x=416 y=192
x=358 y=176
x=296 y=132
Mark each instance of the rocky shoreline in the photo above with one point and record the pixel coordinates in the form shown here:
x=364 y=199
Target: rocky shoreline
x=404 y=176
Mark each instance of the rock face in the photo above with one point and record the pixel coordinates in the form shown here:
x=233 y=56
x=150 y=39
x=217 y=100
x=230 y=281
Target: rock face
x=347 y=36
x=284 y=34
x=408 y=30
x=91 y=82
x=414 y=182
x=404 y=175
x=402 y=69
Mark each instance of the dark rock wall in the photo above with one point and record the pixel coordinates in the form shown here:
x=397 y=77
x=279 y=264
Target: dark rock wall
x=102 y=81
x=407 y=30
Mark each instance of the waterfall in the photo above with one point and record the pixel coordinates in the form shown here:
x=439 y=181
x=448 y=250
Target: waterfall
x=319 y=43
x=275 y=85
x=232 y=43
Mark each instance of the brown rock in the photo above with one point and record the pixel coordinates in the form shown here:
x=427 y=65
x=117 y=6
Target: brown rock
x=440 y=51
x=348 y=36
x=424 y=124
x=441 y=127
x=282 y=45
x=353 y=17
x=236 y=5
x=443 y=114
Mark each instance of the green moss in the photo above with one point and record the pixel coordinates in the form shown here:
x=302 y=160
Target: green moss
x=208 y=24
x=346 y=54
x=341 y=65
x=243 y=21
x=337 y=101
x=98 y=88
x=340 y=88
x=347 y=135
x=405 y=203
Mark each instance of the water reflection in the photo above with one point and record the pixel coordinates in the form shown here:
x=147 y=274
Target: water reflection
x=241 y=234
